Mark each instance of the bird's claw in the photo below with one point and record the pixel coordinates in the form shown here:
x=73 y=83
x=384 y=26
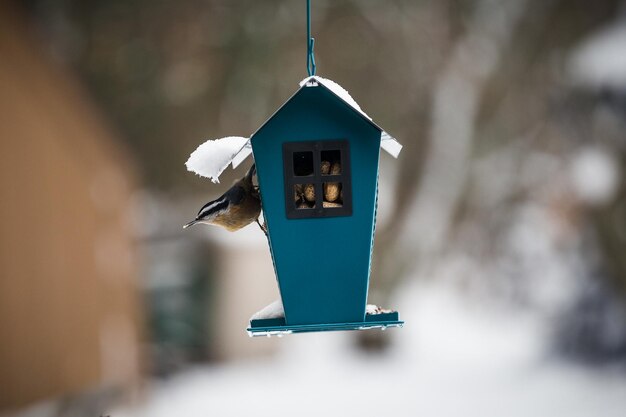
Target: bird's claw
x=262 y=226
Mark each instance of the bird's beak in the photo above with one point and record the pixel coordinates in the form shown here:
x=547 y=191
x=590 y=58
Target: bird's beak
x=191 y=223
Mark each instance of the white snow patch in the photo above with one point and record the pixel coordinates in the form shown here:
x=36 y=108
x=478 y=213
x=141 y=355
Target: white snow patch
x=212 y=157
x=335 y=88
x=272 y=311
x=374 y=309
x=387 y=142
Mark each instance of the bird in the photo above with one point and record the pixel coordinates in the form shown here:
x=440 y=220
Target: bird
x=236 y=208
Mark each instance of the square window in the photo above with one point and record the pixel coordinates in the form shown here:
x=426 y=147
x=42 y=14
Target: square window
x=302 y=164
x=304 y=196
x=331 y=162
x=333 y=197
x=317 y=179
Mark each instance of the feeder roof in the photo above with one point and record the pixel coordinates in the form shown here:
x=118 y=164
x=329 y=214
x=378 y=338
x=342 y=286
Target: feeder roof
x=212 y=157
x=387 y=142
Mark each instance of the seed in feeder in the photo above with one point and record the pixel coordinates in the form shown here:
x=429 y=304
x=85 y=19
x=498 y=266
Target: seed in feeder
x=331 y=191
x=335 y=168
x=325 y=168
x=309 y=192
x=328 y=204
x=304 y=205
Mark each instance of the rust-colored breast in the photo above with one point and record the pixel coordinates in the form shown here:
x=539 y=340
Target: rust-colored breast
x=241 y=215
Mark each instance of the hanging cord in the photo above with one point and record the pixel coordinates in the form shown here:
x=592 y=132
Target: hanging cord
x=310 y=53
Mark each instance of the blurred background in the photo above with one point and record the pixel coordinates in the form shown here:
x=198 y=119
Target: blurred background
x=501 y=229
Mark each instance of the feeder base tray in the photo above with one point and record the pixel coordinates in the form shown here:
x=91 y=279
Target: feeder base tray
x=277 y=326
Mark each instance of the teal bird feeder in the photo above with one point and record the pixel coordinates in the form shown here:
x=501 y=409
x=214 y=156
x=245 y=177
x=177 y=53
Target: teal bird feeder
x=317 y=164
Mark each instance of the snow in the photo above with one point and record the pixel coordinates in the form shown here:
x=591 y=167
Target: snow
x=341 y=92
x=272 y=311
x=374 y=309
x=212 y=157
x=387 y=142
x=451 y=359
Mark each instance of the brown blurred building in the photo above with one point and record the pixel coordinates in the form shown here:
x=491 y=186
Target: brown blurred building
x=69 y=313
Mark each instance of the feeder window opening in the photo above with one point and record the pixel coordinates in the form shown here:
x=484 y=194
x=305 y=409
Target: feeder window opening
x=326 y=190
x=303 y=164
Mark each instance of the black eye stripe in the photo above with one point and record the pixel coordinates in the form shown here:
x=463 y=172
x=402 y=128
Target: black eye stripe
x=215 y=208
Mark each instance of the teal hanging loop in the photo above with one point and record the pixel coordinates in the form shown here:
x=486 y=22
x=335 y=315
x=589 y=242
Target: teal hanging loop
x=310 y=53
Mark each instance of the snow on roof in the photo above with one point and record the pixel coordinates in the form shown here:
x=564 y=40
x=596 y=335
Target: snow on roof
x=338 y=90
x=212 y=157
x=387 y=142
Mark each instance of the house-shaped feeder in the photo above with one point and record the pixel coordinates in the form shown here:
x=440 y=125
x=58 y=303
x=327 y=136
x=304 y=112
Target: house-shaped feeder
x=317 y=164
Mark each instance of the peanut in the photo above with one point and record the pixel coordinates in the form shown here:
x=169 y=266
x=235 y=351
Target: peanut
x=309 y=192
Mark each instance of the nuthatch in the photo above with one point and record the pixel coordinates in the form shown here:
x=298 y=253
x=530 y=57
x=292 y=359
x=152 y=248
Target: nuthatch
x=236 y=208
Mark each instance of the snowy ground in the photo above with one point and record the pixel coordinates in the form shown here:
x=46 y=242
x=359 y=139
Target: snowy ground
x=451 y=359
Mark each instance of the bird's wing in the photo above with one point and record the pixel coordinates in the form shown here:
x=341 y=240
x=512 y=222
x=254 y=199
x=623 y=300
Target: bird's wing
x=235 y=195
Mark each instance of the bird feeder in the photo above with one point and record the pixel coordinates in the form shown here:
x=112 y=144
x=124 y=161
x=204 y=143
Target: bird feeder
x=317 y=168
x=317 y=164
